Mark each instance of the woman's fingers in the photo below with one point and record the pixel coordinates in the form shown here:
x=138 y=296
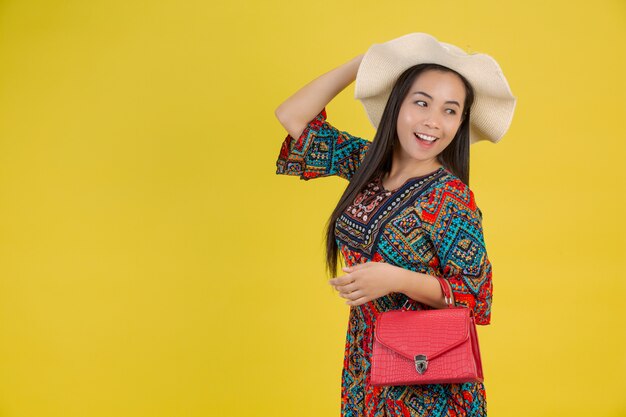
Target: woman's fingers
x=352 y=295
x=343 y=284
x=358 y=301
x=347 y=288
x=342 y=280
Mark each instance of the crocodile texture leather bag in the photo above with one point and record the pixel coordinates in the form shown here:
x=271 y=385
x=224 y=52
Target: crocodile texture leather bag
x=437 y=346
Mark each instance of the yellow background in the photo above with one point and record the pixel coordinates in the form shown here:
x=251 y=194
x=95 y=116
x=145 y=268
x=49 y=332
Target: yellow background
x=153 y=264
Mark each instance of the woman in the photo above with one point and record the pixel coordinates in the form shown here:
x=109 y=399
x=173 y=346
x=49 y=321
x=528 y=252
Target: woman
x=407 y=214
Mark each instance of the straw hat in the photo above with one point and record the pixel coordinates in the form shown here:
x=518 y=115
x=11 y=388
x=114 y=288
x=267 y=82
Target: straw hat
x=493 y=107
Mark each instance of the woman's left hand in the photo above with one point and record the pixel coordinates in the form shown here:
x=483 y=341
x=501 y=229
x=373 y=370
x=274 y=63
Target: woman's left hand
x=367 y=281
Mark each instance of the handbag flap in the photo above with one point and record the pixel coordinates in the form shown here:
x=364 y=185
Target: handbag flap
x=423 y=332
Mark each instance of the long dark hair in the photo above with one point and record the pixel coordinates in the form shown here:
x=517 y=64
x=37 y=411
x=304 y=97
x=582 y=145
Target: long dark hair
x=377 y=160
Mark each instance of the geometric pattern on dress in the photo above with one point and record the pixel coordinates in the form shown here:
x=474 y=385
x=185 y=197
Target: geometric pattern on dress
x=359 y=225
x=397 y=240
x=321 y=151
x=453 y=222
x=464 y=250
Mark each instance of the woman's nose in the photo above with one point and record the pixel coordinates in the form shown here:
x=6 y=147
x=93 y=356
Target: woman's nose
x=431 y=122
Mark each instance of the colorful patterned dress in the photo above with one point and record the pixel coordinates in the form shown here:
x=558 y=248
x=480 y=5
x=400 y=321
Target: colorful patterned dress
x=430 y=224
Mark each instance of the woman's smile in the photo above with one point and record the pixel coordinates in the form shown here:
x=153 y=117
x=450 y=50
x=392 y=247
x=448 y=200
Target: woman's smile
x=426 y=138
x=425 y=143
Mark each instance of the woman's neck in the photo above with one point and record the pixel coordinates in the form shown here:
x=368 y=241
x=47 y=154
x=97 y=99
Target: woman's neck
x=402 y=171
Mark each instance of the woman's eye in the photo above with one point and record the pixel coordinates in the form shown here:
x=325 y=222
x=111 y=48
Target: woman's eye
x=420 y=101
x=452 y=111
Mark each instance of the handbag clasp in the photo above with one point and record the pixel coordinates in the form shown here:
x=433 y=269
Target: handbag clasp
x=421 y=364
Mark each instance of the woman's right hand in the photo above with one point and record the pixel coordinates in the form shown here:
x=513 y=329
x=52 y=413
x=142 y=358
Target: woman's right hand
x=306 y=103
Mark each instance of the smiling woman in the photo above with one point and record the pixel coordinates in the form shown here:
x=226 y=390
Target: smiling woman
x=407 y=217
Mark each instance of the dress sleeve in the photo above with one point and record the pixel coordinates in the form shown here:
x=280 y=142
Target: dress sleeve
x=454 y=224
x=321 y=151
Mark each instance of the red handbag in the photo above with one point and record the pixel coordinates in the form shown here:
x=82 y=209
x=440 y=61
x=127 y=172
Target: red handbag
x=437 y=346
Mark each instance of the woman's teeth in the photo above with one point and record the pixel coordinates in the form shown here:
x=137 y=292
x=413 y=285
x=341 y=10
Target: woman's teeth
x=426 y=138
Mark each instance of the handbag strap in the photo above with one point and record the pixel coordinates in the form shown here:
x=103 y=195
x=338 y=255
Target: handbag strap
x=446 y=293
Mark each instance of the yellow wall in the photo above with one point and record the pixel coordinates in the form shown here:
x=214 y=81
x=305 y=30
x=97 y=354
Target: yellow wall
x=153 y=264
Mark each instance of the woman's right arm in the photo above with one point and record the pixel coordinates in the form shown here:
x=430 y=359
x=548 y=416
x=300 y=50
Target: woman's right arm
x=299 y=109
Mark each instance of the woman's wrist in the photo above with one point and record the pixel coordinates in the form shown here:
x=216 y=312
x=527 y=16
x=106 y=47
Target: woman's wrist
x=399 y=280
x=353 y=68
x=420 y=287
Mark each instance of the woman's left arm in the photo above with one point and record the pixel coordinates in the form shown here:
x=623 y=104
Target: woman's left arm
x=453 y=222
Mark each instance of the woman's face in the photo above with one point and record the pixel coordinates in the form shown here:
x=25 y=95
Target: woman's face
x=432 y=107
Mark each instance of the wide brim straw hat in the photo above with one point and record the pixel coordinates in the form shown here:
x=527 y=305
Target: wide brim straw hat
x=494 y=104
